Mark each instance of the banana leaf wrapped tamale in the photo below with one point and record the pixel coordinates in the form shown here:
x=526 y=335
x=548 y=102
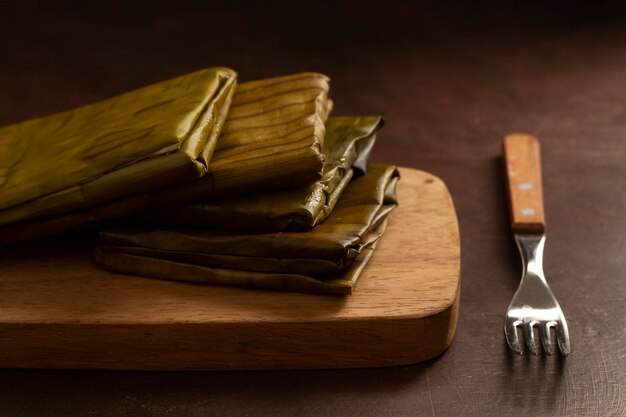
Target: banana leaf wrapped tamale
x=272 y=139
x=340 y=283
x=160 y=135
x=347 y=145
x=323 y=252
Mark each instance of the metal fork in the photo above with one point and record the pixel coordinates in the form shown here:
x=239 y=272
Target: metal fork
x=533 y=305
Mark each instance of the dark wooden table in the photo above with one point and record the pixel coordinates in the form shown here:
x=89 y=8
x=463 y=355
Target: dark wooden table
x=451 y=80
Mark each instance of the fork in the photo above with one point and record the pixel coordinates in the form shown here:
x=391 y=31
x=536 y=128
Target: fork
x=533 y=305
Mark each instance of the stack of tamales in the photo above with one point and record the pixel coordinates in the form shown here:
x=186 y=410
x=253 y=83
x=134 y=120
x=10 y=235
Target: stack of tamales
x=203 y=180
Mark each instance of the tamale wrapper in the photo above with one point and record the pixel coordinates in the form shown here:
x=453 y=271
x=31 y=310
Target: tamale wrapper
x=272 y=139
x=326 y=249
x=340 y=283
x=157 y=136
x=347 y=146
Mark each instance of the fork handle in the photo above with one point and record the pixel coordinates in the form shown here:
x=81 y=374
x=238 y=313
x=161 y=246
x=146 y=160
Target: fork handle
x=522 y=162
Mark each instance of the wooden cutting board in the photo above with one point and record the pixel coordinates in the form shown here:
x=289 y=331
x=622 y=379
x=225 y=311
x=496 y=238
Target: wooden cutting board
x=57 y=310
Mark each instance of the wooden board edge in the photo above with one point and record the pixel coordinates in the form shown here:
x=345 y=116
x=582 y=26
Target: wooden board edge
x=196 y=347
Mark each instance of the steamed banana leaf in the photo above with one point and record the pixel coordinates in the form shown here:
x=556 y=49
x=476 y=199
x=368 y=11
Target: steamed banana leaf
x=272 y=139
x=339 y=283
x=326 y=249
x=347 y=146
x=158 y=136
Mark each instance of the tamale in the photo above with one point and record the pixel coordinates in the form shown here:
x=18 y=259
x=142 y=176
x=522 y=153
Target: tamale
x=157 y=136
x=339 y=283
x=272 y=139
x=326 y=249
x=347 y=145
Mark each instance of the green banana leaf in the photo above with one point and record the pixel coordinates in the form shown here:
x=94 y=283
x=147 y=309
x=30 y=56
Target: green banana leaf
x=272 y=139
x=348 y=142
x=326 y=249
x=340 y=283
x=158 y=136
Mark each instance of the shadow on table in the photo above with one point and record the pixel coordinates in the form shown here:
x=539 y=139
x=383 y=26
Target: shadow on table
x=42 y=392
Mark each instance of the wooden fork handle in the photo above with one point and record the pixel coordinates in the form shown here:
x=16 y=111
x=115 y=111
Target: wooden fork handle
x=522 y=163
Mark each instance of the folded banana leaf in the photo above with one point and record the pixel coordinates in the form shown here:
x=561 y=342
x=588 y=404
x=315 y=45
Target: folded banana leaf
x=347 y=145
x=339 y=283
x=326 y=249
x=158 y=136
x=272 y=139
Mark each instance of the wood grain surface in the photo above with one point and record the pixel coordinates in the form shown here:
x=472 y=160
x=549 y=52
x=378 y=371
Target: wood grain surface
x=451 y=79
x=522 y=165
x=63 y=312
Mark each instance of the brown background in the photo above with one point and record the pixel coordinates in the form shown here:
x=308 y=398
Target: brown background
x=451 y=80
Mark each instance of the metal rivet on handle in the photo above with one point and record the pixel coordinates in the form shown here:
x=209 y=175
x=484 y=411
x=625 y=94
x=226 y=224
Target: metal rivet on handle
x=525 y=186
x=527 y=211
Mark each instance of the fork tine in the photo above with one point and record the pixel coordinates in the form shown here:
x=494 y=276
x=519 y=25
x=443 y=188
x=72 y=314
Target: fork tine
x=562 y=336
x=510 y=331
x=529 y=337
x=546 y=338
